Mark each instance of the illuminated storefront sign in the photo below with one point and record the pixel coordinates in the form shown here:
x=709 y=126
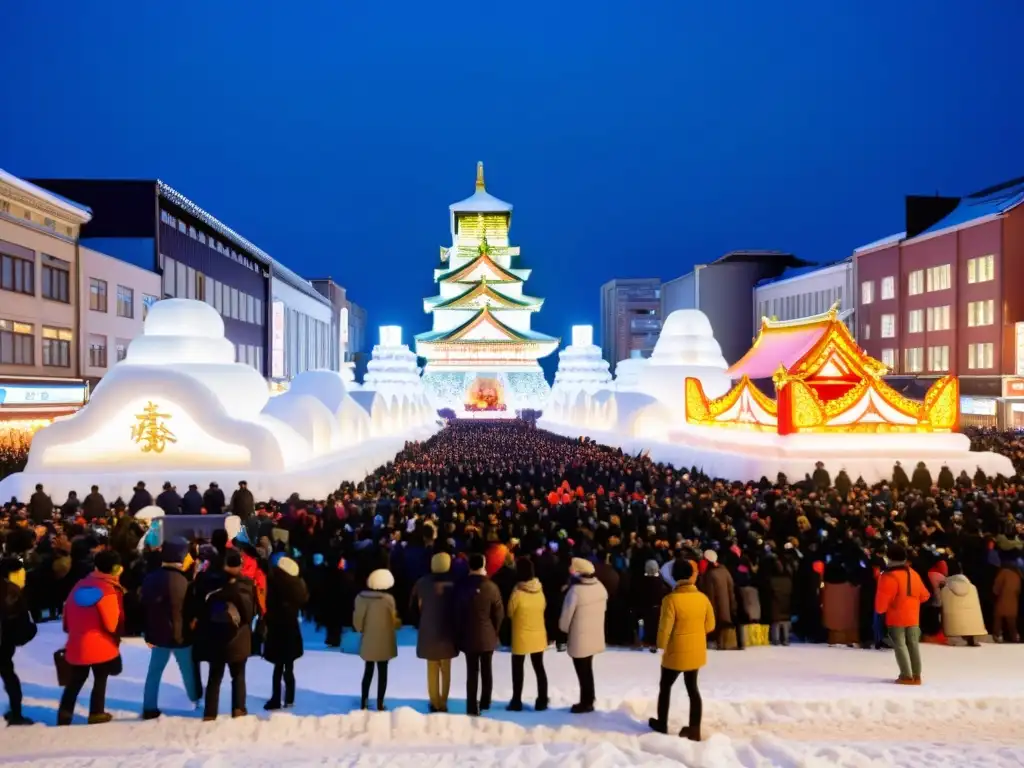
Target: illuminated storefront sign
x=31 y=394
x=1013 y=387
x=978 y=406
x=277 y=341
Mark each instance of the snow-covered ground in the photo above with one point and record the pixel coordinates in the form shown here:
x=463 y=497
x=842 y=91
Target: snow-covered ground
x=799 y=706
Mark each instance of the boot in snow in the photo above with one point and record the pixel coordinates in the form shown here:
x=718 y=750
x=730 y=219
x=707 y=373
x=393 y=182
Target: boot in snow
x=693 y=734
x=100 y=718
x=65 y=718
x=656 y=725
x=151 y=714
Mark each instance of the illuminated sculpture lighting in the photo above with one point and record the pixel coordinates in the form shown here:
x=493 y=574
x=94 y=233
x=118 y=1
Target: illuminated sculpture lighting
x=179 y=409
x=481 y=338
x=832 y=406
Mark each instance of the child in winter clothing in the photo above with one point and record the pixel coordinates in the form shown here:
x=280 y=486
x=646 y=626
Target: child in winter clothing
x=16 y=629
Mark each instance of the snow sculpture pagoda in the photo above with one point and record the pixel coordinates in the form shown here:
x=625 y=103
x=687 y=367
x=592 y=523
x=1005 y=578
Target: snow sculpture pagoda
x=482 y=354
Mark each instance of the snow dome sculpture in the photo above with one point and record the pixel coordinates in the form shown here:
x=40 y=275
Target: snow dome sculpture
x=685 y=349
x=179 y=408
x=627 y=372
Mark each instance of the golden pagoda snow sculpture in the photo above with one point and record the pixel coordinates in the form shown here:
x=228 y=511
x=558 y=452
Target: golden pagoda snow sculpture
x=481 y=340
x=824 y=383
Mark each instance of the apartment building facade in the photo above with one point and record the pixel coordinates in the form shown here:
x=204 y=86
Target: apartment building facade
x=811 y=292
x=947 y=300
x=630 y=317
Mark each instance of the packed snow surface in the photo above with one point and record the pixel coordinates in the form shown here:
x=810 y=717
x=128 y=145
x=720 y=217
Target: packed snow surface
x=803 y=706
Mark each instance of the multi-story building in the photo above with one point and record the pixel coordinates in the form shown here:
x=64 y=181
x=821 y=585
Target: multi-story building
x=40 y=337
x=944 y=298
x=355 y=351
x=116 y=296
x=155 y=227
x=301 y=337
x=720 y=288
x=810 y=291
x=630 y=317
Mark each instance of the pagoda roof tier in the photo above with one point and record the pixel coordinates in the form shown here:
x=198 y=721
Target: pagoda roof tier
x=488 y=268
x=481 y=201
x=480 y=295
x=796 y=345
x=484 y=326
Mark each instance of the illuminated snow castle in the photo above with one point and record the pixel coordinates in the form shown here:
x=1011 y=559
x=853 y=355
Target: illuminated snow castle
x=179 y=409
x=481 y=354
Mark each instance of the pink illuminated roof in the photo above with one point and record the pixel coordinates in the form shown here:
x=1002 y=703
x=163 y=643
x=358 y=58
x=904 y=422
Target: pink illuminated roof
x=777 y=346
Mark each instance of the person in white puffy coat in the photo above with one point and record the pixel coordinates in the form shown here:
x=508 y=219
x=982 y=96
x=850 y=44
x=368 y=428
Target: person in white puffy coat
x=582 y=620
x=961 y=610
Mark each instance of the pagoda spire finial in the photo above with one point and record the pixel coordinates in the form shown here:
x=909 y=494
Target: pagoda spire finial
x=480 y=175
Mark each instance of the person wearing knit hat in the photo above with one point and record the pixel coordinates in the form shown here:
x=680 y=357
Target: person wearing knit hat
x=287 y=595
x=583 y=620
x=650 y=591
x=526 y=609
x=479 y=612
x=376 y=617
x=163 y=597
x=899 y=596
x=717 y=584
x=16 y=629
x=435 y=641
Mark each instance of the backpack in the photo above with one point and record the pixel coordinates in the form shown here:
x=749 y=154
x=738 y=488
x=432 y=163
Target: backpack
x=224 y=618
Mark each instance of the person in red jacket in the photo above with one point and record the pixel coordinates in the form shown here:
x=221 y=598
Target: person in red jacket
x=899 y=596
x=94 y=621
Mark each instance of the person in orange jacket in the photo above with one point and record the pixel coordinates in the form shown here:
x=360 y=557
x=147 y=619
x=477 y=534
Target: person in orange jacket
x=899 y=596
x=94 y=621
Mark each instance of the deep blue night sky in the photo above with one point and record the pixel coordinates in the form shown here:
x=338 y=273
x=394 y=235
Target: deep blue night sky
x=633 y=138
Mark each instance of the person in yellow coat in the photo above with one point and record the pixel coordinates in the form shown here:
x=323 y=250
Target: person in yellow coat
x=687 y=618
x=529 y=635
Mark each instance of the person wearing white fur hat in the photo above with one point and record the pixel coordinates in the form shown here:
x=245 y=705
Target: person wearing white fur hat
x=582 y=620
x=286 y=596
x=377 y=619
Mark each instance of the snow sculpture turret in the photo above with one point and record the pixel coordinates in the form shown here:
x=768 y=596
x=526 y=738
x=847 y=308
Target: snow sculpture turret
x=627 y=372
x=392 y=377
x=685 y=348
x=580 y=365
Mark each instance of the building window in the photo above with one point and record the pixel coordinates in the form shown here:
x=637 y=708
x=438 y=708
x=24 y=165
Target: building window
x=181 y=281
x=981 y=269
x=17 y=343
x=200 y=286
x=915 y=282
x=938 y=358
x=168 y=277
x=915 y=321
x=121 y=349
x=57 y=347
x=97 y=351
x=888 y=326
x=202 y=239
x=56 y=279
x=867 y=332
x=889 y=358
x=147 y=302
x=190 y=284
x=97 y=295
x=259 y=311
x=234 y=303
x=914 y=360
x=181 y=227
x=980 y=313
x=215 y=290
x=938 y=318
x=888 y=287
x=980 y=355
x=192 y=232
x=125 y=301
x=939 y=278
x=867 y=292
x=17 y=274
x=250 y=309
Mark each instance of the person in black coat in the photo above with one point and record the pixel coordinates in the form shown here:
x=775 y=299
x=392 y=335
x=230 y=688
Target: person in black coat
x=94 y=506
x=651 y=589
x=286 y=596
x=16 y=630
x=167 y=624
x=192 y=501
x=169 y=500
x=213 y=500
x=224 y=603
x=478 y=616
x=71 y=505
x=242 y=502
x=40 y=506
x=141 y=498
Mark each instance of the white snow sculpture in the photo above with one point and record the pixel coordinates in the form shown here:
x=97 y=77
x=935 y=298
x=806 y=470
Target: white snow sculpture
x=685 y=348
x=179 y=408
x=393 y=374
x=627 y=372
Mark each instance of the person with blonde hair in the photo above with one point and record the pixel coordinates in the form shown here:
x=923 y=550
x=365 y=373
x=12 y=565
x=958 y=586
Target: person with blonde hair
x=435 y=641
x=376 y=617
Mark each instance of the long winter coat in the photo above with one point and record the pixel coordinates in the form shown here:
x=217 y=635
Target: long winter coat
x=40 y=507
x=782 y=598
x=717 y=584
x=192 y=502
x=478 y=614
x=286 y=596
x=840 y=607
x=163 y=599
x=16 y=625
x=94 y=620
x=242 y=504
x=377 y=618
x=1006 y=589
x=526 y=612
x=240 y=592
x=961 y=608
x=687 y=618
x=94 y=506
x=650 y=592
x=436 y=638
x=582 y=617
